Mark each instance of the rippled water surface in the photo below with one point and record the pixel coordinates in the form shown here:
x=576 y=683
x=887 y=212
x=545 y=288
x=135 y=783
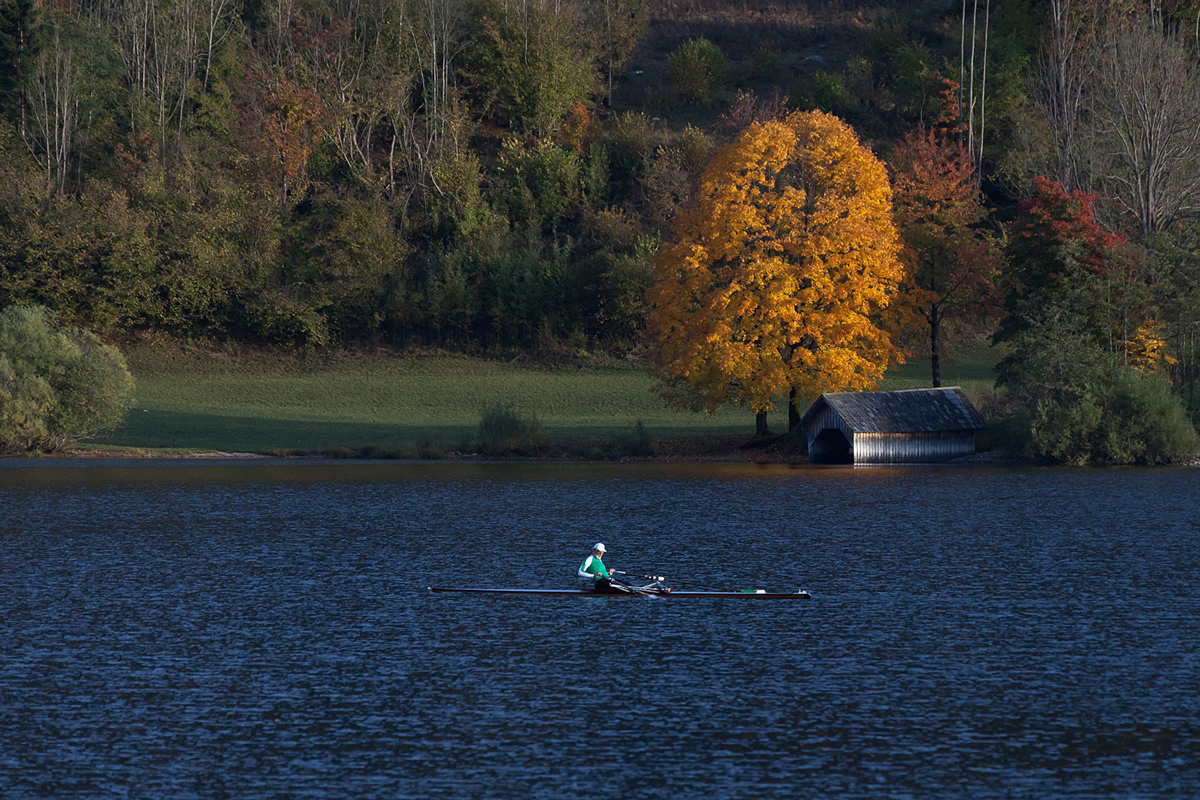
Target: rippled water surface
x=265 y=630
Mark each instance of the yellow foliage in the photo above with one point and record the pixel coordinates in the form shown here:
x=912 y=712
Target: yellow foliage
x=777 y=275
x=1146 y=348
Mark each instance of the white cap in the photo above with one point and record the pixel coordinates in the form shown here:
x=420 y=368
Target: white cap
x=600 y=546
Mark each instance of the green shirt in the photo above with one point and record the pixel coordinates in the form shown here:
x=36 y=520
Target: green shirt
x=593 y=568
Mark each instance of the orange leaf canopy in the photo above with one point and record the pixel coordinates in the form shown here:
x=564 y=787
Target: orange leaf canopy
x=774 y=279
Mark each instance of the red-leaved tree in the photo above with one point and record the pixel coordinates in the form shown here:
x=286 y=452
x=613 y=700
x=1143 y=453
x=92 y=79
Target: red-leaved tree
x=281 y=121
x=950 y=254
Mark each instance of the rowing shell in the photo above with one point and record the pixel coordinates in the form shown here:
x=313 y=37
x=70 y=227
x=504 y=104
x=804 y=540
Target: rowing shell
x=758 y=594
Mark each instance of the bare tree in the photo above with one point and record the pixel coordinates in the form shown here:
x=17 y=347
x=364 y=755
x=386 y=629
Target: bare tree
x=54 y=105
x=436 y=39
x=184 y=39
x=624 y=23
x=987 y=19
x=218 y=24
x=962 y=67
x=1061 y=76
x=160 y=44
x=361 y=50
x=435 y=33
x=278 y=33
x=130 y=21
x=967 y=72
x=971 y=79
x=1147 y=115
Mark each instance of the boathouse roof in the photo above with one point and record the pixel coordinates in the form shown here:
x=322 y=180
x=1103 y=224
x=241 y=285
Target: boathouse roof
x=904 y=411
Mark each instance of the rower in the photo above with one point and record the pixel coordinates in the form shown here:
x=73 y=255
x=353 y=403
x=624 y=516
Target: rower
x=593 y=568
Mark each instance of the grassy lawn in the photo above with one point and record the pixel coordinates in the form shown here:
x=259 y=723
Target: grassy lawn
x=389 y=403
x=405 y=404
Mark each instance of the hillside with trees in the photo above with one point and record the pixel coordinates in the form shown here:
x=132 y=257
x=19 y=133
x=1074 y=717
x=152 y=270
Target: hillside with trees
x=500 y=176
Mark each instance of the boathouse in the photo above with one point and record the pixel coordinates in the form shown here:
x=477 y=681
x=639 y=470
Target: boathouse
x=904 y=427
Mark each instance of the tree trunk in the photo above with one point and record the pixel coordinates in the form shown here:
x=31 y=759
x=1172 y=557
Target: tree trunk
x=962 y=69
x=987 y=16
x=19 y=69
x=55 y=107
x=935 y=355
x=609 y=33
x=971 y=84
x=793 y=411
x=760 y=424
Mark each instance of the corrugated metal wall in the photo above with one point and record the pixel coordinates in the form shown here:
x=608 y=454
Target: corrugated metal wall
x=909 y=448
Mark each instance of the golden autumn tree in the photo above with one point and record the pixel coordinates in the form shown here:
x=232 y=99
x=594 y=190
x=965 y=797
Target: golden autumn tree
x=774 y=279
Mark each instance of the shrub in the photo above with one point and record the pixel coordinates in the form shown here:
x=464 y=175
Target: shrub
x=502 y=431
x=57 y=385
x=631 y=141
x=1123 y=418
x=427 y=449
x=695 y=149
x=765 y=59
x=288 y=315
x=543 y=181
x=614 y=229
x=623 y=309
x=825 y=91
x=697 y=69
x=634 y=444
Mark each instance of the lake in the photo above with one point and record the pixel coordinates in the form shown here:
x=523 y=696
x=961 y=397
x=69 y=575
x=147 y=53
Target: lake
x=265 y=630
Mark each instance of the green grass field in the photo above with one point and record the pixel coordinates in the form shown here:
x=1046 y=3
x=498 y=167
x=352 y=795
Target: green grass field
x=261 y=405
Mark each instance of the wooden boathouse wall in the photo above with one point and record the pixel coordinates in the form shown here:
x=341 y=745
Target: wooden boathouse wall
x=899 y=448
x=909 y=426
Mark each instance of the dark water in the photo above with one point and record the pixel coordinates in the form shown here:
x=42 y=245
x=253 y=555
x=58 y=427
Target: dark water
x=264 y=631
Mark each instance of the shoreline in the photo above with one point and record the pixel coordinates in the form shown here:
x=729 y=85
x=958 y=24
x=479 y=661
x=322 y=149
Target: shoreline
x=988 y=459
x=702 y=450
x=782 y=450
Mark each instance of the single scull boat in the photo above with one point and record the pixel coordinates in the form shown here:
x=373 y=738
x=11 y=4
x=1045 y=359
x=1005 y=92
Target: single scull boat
x=755 y=594
x=657 y=587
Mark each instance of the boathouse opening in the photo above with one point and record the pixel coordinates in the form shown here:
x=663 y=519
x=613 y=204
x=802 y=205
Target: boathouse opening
x=830 y=447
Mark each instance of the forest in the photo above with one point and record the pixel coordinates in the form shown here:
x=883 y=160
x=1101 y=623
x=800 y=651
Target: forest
x=505 y=176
